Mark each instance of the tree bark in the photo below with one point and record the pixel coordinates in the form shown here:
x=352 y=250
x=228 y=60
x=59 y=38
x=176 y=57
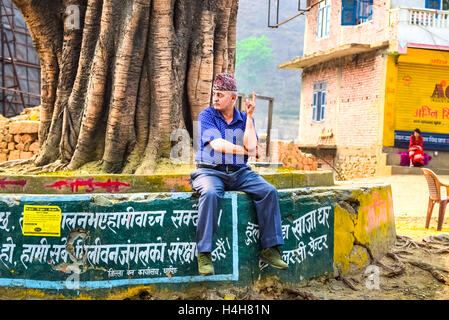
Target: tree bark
x=134 y=71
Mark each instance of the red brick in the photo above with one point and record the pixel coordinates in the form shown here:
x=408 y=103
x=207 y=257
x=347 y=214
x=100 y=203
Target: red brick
x=14 y=155
x=25 y=155
x=24 y=127
x=3 y=124
x=34 y=147
x=27 y=137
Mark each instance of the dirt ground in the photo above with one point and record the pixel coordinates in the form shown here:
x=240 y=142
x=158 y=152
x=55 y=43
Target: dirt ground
x=417 y=268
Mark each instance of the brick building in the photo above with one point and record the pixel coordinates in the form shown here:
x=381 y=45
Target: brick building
x=372 y=72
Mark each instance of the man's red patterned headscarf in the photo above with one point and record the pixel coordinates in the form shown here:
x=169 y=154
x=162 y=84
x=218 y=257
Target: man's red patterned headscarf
x=225 y=82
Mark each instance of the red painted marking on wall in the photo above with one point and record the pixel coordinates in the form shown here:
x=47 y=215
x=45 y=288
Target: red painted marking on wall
x=89 y=184
x=426 y=112
x=4 y=183
x=58 y=185
x=407 y=80
x=445 y=113
x=377 y=212
x=112 y=186
x=74 y=186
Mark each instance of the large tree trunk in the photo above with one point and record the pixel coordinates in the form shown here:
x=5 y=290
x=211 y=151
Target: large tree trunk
x=134 y=71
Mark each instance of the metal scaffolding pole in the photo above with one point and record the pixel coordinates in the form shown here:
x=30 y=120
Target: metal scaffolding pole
x=20 y=69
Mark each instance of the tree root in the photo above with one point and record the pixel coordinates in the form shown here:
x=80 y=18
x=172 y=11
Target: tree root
x=404 y=242
x=373 y=260
x=433 y=270
x=400 y=265
x=441 y=251
x=391 y=272
x=16 y=163
x=442 y=239
x=52 y=167
x=409 y=243
x=429 y=246
x=401 y=252
x=303 y=294
x=426 y=266
x=393 y=255
x=347 y=282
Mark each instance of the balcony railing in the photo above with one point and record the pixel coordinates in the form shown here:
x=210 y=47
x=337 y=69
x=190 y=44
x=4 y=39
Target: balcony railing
x=429 y=18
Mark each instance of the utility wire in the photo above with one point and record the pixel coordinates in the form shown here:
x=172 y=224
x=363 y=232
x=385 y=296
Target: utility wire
x=289 y=19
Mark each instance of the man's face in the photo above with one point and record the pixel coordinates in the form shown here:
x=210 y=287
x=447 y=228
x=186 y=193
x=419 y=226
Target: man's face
x=223 y=100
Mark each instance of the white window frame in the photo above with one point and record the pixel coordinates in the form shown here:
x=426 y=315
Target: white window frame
x=319 y=101
x=323 y=19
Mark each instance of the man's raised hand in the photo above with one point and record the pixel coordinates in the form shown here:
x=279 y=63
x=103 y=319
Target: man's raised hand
x=250 y=104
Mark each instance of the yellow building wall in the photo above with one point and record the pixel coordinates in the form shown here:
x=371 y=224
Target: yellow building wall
x=371 y=227
x=416 y=93
x=390 y=101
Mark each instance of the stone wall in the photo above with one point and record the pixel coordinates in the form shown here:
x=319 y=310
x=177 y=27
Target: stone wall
x=103 y=244
x=19 y=135
x=352 y=163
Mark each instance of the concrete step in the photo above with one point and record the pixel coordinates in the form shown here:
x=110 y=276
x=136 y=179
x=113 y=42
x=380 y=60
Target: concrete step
x=393 y=159
x=397 y=170
x=440 y=159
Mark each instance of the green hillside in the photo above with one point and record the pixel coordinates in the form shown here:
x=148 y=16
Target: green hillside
x=260 y=50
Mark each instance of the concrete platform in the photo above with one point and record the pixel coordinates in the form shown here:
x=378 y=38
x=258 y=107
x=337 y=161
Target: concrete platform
x=106 y=243
x=402 y=170
x=122 y=183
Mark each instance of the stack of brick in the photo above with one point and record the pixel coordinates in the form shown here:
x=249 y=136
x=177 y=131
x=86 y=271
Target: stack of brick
x=19 y=135
x=287 y=153
x=293 y=158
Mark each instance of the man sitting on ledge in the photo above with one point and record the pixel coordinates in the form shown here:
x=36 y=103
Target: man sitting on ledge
x=227 y=138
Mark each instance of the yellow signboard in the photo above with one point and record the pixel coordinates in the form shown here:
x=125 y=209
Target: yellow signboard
x=425 y=57
x=416 y=93
x=422 y=98
x=41 y=221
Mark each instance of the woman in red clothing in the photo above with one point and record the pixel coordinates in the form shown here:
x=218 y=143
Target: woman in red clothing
x=415 y=149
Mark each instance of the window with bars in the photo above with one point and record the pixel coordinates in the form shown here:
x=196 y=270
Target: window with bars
x=324 y=19
x=356 y=12
x=319 y=101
